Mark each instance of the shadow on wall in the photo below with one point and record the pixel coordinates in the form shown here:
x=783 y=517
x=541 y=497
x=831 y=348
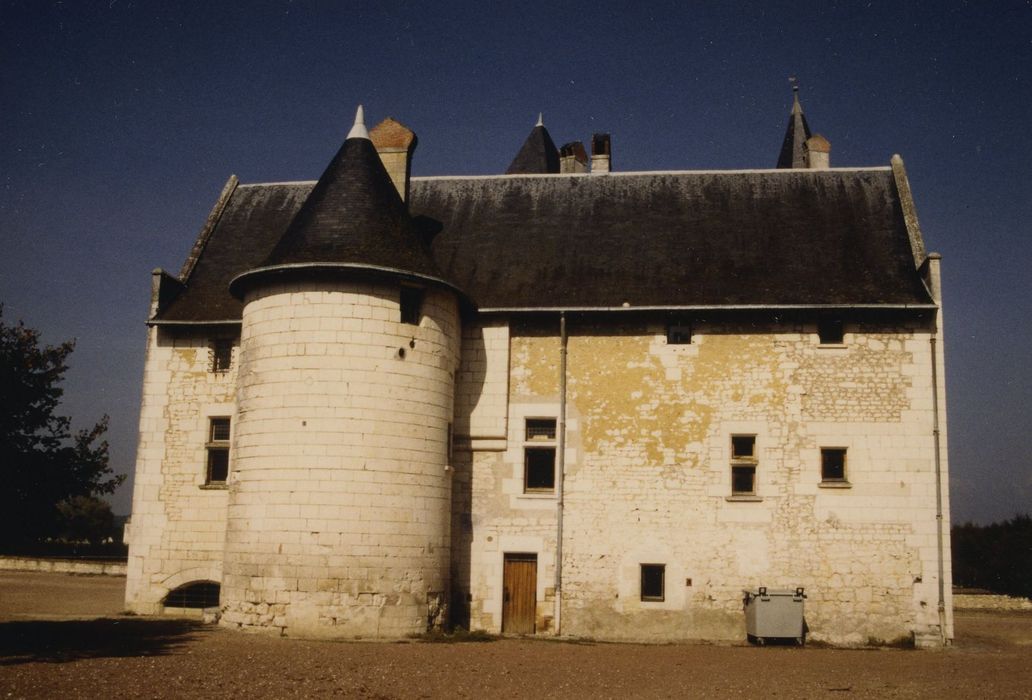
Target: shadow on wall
x=60 y=641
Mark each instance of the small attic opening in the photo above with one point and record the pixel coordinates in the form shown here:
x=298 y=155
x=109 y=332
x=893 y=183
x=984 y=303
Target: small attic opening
x=196 y=594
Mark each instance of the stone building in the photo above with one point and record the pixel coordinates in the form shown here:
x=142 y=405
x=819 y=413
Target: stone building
x=565 y=400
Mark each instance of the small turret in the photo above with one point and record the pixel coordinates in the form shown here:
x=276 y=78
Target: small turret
x=346 y=325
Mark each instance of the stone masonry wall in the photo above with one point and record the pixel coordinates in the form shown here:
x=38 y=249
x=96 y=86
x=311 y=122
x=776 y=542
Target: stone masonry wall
x=339 y=508
x=649 y=481
x=178 y=525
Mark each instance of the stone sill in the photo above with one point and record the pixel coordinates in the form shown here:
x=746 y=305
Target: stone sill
x=213 y=487
x=832 y=346
x=743 y=499
x=538 y=495
x=834 y=485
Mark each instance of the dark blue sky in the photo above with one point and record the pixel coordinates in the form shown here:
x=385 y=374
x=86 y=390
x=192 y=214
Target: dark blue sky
x=120 y=122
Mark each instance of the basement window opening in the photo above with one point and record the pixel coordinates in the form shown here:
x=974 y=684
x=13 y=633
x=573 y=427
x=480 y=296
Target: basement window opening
x=199 y=594
x=411 y=305
x=653 y=583
x=217 y=447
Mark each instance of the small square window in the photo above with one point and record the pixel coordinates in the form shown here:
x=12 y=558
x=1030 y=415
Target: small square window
x=539 y=469
x=221 y=355
x=540 y=429
x=652 y=582
x=678 y=333
x=217 y=448
x=743 y=480
x=830 y=331
x=743 y=447
x=833 y=464
x=411 y=305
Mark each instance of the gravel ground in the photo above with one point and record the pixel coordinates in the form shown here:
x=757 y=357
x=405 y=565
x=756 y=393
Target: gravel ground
x=45 y=652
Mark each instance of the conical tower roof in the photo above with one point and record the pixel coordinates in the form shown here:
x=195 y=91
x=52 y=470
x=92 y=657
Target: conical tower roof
x=537 y=155
x=354 y=219
x=793 y=148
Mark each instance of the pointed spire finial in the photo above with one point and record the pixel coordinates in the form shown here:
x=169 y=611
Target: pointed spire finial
x=541 y=119
x=797 y=108
x=358 y=131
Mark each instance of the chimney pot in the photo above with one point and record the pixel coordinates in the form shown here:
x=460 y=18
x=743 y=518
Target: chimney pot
x=818 y=153
x=573 y=158
x=395 y=144
x=601 y=153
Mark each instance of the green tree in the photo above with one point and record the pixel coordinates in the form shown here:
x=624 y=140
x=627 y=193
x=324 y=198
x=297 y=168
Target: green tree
x=86 y=519
x=41 y=461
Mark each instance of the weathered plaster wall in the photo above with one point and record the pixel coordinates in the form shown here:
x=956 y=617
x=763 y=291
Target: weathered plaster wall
x=178 y=525
x=340 y=501
x=648 y=481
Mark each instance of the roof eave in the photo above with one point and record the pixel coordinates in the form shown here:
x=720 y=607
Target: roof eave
x=238 y=284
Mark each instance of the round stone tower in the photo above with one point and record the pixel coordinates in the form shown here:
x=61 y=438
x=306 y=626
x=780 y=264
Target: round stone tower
x=338 y=522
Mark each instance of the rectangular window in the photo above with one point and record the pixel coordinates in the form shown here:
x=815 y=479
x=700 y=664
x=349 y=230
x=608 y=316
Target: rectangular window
x=539 y=469
x=217 y=447
x=221 y=354
x=411 y=305
x=830 y=331
x=541 y=429
x=652 y=582
x=833 y=464
x=743 y=465
x=678 y=333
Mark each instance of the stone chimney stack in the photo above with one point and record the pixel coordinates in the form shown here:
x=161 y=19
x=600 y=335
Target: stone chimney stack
x=601 y=153
x=395 y=143
x=573 y=158
x=818 y=153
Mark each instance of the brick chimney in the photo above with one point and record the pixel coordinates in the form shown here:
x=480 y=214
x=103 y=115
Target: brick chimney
x=395 y=143
x=601 y=150
x=573 y=158
x=818 y=153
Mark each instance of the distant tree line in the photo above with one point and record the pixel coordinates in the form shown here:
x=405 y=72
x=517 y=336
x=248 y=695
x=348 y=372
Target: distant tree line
x=995 y=557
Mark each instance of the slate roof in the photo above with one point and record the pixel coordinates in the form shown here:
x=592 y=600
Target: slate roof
x=793 y=148
x=353 y=217
x=689 y=239
x=538 y=155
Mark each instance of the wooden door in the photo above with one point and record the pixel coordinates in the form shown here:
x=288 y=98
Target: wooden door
x=519 y=587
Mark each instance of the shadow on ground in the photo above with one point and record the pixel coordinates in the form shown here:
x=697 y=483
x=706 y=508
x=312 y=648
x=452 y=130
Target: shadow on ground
x=68 y=640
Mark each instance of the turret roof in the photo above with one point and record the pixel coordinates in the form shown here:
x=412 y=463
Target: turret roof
x=793 y=148
x=537 y=155
x=353 y=218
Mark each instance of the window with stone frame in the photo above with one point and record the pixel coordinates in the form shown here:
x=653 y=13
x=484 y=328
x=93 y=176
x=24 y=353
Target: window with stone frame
x=217 y=451
x=221 y=354
x=653 y=582
x=833 y=465
x=539 y=455
x=743 y=465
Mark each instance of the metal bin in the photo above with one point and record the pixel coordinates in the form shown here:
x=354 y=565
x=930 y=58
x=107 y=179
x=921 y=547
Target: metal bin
x=774 y=614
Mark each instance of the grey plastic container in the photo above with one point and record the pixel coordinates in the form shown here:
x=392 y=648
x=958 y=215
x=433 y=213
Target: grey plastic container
x=774 y=614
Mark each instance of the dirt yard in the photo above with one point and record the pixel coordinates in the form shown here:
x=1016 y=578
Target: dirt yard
x=61 y=636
